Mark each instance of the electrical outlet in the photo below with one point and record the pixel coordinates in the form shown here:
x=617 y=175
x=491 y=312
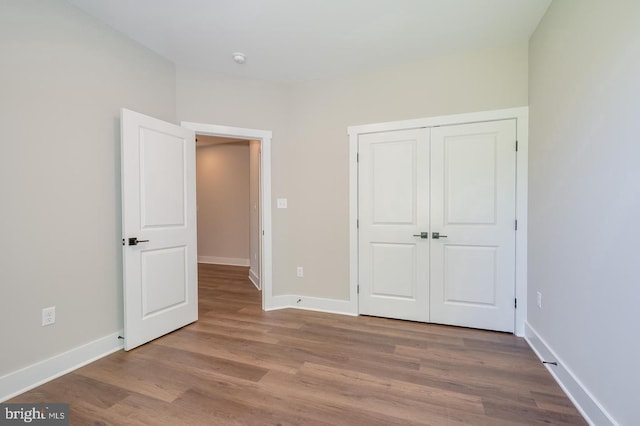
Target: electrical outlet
x=539 y=300
x=48 y=316
x=300 y=272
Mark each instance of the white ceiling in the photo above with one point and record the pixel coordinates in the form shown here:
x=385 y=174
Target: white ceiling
x=298 y=40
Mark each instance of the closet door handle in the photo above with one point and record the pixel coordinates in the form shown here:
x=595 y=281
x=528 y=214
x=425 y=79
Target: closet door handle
x=423 y=235
x=437 y=236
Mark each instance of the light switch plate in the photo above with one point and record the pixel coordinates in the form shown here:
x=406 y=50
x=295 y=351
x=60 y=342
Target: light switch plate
x=282 y=203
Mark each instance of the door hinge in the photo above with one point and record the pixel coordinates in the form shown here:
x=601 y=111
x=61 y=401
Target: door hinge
x=515 y=303
x=516 y=224
x=358 y=223
x=357 y=157
x=516 y=146
x=123 y=241
x=358 y=289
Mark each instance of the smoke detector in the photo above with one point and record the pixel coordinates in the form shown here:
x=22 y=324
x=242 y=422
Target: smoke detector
x=239 y=58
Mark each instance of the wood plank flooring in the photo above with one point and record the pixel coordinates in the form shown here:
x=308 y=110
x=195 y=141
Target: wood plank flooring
x=239 y=365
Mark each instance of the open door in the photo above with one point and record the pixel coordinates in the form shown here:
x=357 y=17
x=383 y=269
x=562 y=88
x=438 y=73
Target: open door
x=159 y=228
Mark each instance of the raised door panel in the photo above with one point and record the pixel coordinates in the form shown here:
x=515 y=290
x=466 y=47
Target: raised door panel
x=393 y=186
x=163 y=183
x=164 y=279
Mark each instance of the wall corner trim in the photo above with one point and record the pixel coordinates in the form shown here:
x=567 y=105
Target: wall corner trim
x=318 y=304
x=254 y=278
x=34 y=375
x=585 y=402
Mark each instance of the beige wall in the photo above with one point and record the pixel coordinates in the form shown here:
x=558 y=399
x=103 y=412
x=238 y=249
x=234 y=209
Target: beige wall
x=64 y=78
x=254 y=205
x=584 y=195
x=222 y=179
x=310 y=145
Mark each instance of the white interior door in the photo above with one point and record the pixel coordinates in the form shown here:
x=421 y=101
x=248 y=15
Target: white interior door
x=159 y=228
x=393 y=212
x=473 y=189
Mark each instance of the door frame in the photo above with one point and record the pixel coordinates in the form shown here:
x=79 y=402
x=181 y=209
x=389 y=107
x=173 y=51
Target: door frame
x=521 y=115
x=264 y=136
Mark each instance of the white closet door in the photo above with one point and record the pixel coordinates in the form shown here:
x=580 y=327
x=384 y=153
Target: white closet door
x=393 y=209
x=473 y=188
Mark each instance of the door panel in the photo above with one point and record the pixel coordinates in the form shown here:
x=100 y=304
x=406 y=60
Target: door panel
x=470 y=179
x=393 y=187
x=465 y=264
x=164 y=279
x=158 y=208
x=394 y=203
x=473 y=180
x=393 y=270
x=162 y=170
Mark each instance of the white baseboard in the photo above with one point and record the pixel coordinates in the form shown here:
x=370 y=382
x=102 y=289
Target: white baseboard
x=584 y=401
x=255 y=279
x=34 y=375
x=274 y=303
x=331 y=306
x=231 y=261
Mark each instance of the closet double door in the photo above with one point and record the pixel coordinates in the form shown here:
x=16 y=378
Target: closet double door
x=436 y=213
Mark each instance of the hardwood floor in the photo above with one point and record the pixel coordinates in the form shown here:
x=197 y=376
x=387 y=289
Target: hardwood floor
x=239 y=365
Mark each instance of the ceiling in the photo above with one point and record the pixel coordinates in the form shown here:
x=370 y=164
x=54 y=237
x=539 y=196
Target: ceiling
x=300 y=40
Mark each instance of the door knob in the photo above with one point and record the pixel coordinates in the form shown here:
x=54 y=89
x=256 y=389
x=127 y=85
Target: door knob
x=423 y=235
x=437 y=236
x=134 y=241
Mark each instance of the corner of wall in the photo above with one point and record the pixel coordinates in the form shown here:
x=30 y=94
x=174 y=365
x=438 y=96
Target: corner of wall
x=584 y=400
x=318 y=304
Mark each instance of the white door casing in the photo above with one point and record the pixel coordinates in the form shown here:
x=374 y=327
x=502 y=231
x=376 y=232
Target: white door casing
x=473 y=203
x=159 y=209
x=394 y=208
x=266 y=249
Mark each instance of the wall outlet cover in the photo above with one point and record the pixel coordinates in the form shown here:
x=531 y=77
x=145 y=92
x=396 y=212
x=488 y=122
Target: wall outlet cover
x=48 y=316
